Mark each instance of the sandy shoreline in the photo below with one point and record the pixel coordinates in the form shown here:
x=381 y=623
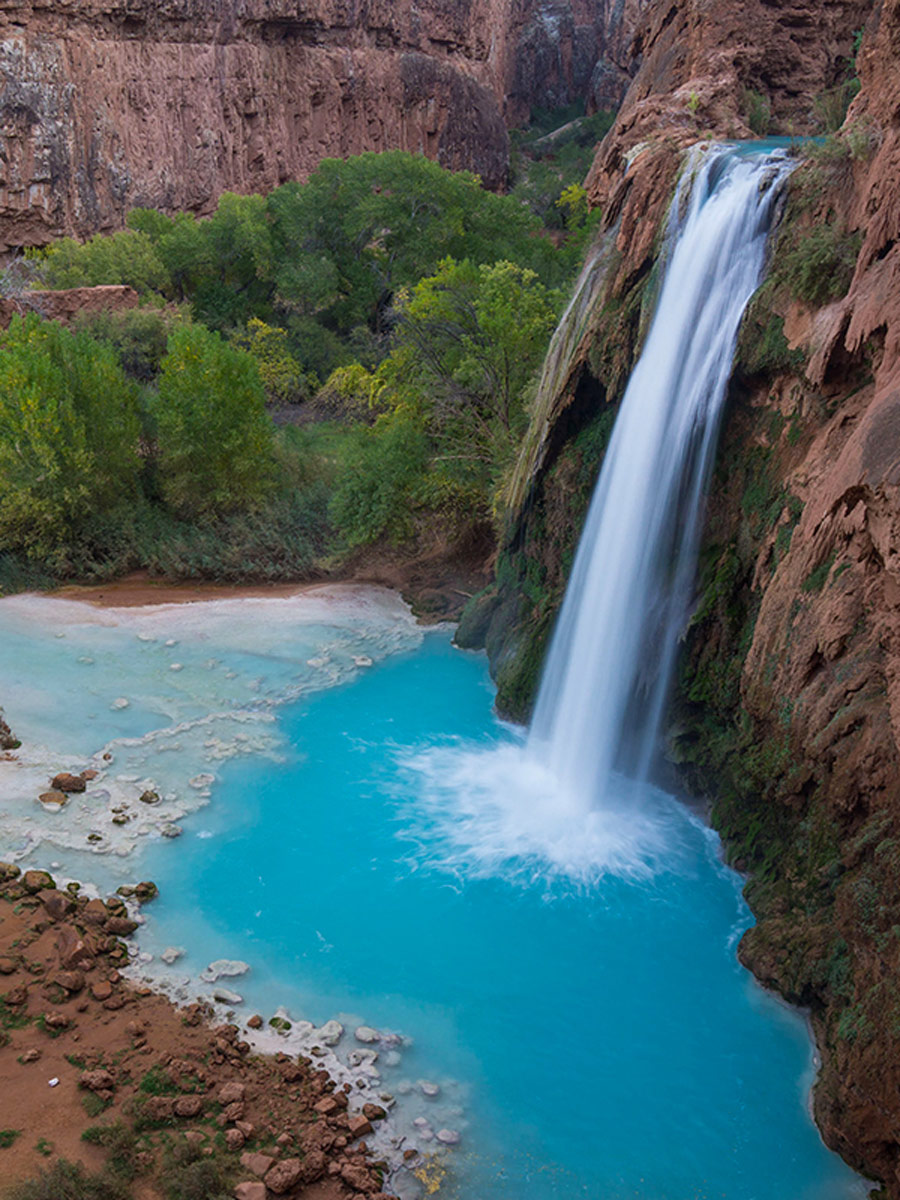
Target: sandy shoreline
x=139 y=590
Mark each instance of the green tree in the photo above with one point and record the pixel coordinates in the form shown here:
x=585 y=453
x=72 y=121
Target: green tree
x=471 y=339
x=68 y=433
x=363 y=227
x=214 y=437
x=129 y=258
x=283 y=378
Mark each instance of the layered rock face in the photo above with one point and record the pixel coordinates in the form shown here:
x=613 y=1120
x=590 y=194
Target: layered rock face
x=786 y=713
x=110 y=104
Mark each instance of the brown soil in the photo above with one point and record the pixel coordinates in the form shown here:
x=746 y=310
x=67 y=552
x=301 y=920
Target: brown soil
x=65 y=1007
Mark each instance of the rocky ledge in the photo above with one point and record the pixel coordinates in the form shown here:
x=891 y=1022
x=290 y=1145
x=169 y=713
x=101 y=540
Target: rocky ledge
x=113 y=1081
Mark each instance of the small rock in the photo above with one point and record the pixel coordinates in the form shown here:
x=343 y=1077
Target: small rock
x=223 y=967
x=188 y=1106
x=70 y=981
x=429 y=1089
x=255 y=1022
x=158 y=1108
x=31 y=1056
x=171 y=830
x=229 y=1092
x=246 y=1128
x=120 y=702
x=101 y=990
x=366 y=1034
x=55 y=798
x=448 y=1136
x=172 y=954
x=250 y=1190
x=146 y=891
x=65 y=782
x=234 y=1139
x=149 y=797
x=330 y=1033
x=226 y=996
x=327 y=1106
x=89 y=775
x=176 y=666
x=374 y=1112
x=121 y=926
x=7 y=966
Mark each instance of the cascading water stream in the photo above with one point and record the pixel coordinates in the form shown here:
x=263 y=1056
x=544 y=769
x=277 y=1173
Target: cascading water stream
x=611 y=657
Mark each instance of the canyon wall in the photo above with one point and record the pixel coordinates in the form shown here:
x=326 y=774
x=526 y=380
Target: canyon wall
x=110 y=104
x=786 y=711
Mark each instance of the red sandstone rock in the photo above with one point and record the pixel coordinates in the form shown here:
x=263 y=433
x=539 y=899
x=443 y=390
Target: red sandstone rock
x=65 y=782
x=283 y=1176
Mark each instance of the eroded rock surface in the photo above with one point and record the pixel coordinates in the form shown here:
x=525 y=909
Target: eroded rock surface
x=110 y=104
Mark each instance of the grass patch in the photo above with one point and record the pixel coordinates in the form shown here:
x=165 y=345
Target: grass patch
x=7 y=1137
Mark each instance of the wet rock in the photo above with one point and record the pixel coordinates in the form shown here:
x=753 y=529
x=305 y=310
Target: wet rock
x=170 y=830
x=283 y=1176
x=255 y=1022
x=327 y=1106
x=374 y=1112
x=9 y=871
x=172 y=954
x=37 y=881
x=65 y=782
x=330 y=1033
x=94 y=912
x=359 y=1126
x=149 y=797
x=227 y=996
x=448 y=1136
x=146 y=891
x=57 y=798
x=367 y=1035
x=222 y=968
x=429 y=1089
x=121 y=926
x=357 y=1177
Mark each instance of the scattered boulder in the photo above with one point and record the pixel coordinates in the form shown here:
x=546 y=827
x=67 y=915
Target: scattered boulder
x=69 y=981
x=94 y=912
x=330 y=1033
x=7 y=966
x=283 y=1176
x=121 y=926
x=359 y=1126
x=146 y=891
x=223 y=967
x=57 y=904
x=255 y=1022
x=358 y=1177
x=66 y=782
x=448 y=1136
x=234 y=1139
x=158 y=1108
x=31 y=1055
x=257 y=1164
x=97 y=1081
x=149 y=797
x=188 y=1106
x=101 y=990
x=73 y=951
x=172 y=954
x=231 y=1091
x=374 y=1112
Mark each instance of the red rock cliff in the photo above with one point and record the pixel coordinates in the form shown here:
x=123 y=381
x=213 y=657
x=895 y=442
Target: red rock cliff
x=109 y=104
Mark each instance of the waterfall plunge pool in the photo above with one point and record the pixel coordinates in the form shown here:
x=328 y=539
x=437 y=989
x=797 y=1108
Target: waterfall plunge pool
x=573 y=993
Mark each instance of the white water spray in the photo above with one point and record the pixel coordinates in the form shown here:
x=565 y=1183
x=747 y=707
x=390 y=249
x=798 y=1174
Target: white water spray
x=611 y=657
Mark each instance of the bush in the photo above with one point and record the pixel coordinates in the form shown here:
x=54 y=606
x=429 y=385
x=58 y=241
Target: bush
x=128 y=258
x=70 y=1181
x=68 y=433
x=214 y=437
x=819 y=266
x=758 y=111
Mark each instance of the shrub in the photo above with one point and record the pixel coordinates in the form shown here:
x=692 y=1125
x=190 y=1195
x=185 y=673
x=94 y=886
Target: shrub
x=214 y=437
x=68 y=433
x=758 y=111
x=819 y=265
x=139 y=337
x=69 y=1181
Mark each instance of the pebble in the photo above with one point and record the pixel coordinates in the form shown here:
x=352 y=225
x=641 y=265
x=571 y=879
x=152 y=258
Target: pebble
x=448 y=1136
x=170 y=830
x=202 y=781
x=226 y=996
x=366 y=1034
x=427 y=1088
x=223 y=967
x=120 y=702
x=330 y=1033
x=176 y=666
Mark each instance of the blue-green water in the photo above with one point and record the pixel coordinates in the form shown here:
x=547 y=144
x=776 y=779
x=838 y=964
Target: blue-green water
x=591 y=1029
x=612 y=1045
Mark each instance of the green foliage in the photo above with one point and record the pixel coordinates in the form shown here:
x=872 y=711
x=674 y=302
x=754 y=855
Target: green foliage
x=762 y=348
x=121 y=1144
x=128 y=258
x=283 y=378
x=188 y=1174
x=361 y=228
x=7 y=1137
x=70 y=1181
x=758 y=111
x=214 y=438
x=139 y=337
x=68 y=433
x=830 y=107
x=815 y=580
x=819 y=265
x=157 y=1082
x=376 y=495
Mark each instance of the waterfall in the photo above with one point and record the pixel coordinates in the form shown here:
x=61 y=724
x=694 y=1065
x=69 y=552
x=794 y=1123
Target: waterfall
x=611 y=657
